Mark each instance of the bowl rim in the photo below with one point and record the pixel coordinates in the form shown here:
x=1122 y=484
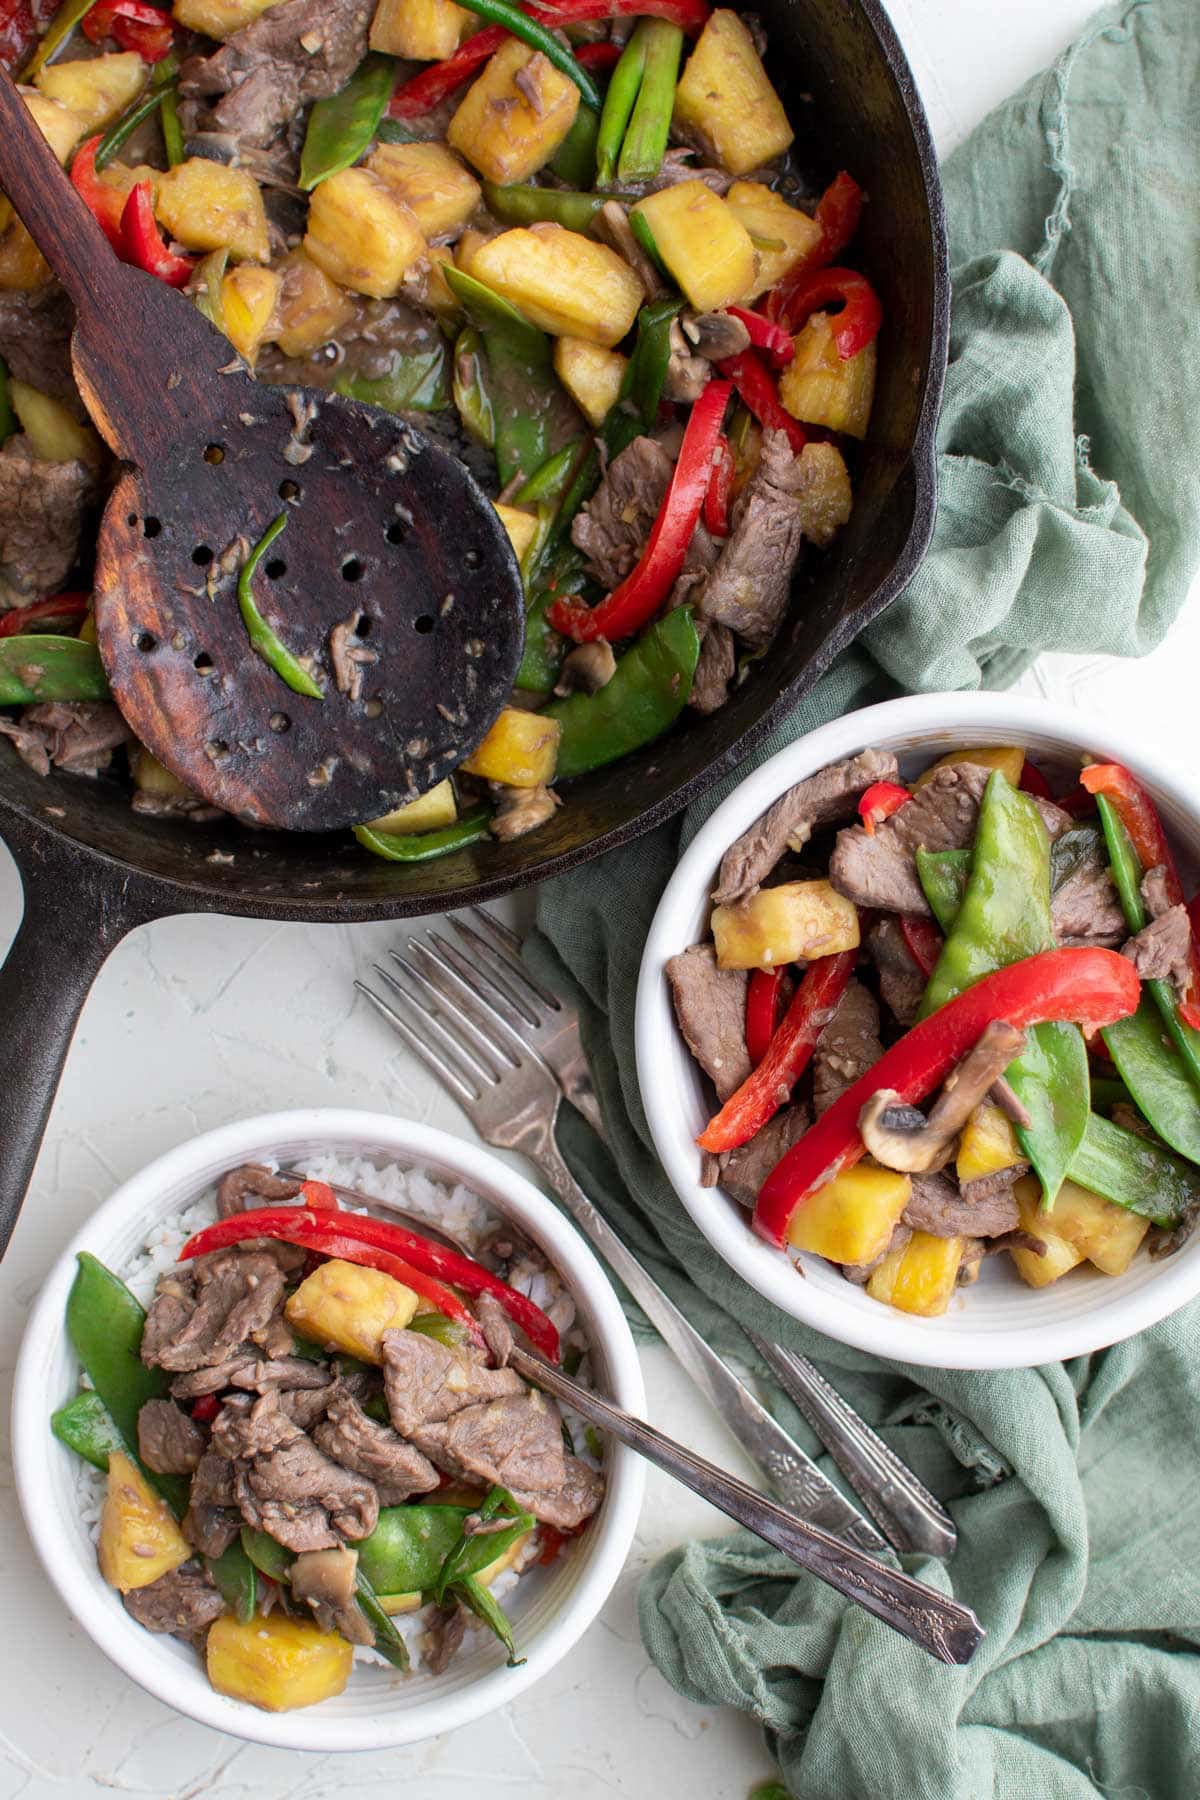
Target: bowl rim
x=347 y=1131
x=925 y=719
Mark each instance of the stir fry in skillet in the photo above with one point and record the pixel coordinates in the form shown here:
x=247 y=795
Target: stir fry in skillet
x=568 y=241
x=964 y=1025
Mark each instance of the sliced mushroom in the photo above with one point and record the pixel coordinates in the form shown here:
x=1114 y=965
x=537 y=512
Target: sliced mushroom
x=611 y=225
x=519 y=810
x=325 y=1580
x=717 y=335
x=901 y=1137
x=687 y=375
x=587 y=668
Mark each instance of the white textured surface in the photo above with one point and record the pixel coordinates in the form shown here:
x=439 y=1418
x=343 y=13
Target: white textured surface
x=196 y=1021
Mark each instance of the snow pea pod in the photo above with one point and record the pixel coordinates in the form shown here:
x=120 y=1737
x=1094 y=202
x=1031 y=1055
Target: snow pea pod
x=436 y=1325
x=267 y=1555
x=943 y=875
x=646 y=694
x=341 y=126
x=1135 y=1173
x=525 y=204
x=532 y=414
x=575 y=159
x=388 y=1642
x=43 y=666
x=408 y=1548
x=462 y=1559
x=1156 y=1077
x=471 y=398
x=424 y=846
x=415 y=381
x=85 y=1425
x=1004 y=917
x=548 y=482
x=236 y=1580
x=486 y=1608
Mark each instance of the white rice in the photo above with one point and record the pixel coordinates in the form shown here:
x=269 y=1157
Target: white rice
x=459 y=1212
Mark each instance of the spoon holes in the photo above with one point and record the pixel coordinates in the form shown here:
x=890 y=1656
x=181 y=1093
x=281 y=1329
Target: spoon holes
x=145 y=641
x=396 y=532
x=276 y=569
x=132 y=521
x=214 y=453
x=289 y=490
x=363 y=628
x=352 y=569
x=202 y=556
x=279 y=722
x=472 y=559
x=423 y=624
x=203 y=664
x=151 y=527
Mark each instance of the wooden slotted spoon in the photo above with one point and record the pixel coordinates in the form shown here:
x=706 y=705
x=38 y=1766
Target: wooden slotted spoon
x=380 y=522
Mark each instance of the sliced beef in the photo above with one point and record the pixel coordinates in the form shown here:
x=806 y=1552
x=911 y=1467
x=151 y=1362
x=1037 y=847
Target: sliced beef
x=861 y=1273
x=35 y=340
x=1155 y=892
x=236 y=1369
x=325 y=1580
x=611 y=530
x=285 y=1373
x=77 y=735
x=741 y=1172
x=986 y=1188
x=44 y=507
x=1162 y=950
x=715 y=670
x=201 y=1316
x=1085 y=909
x=936 y=1206
x=848 y=1046
x=288 y=1487
x=350 y=1438
x=252 y=1186
x=710 y=1007
x=306 y=1407
x=497 y=1331
x=516 y=1443
x=169 y=1442
x=212 y=1520
x=183 y=1602
x=426 y=1382
x=264 y=74
x=444 y=1638
x=824 y=798
x=901 y=981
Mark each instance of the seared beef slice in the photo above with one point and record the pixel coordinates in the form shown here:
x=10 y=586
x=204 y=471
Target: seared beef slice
x=710 y=1005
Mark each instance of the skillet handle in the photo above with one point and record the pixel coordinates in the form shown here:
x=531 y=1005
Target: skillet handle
x=75 y=913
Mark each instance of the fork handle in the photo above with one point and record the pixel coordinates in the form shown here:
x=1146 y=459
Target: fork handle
x=947 y=1630
x=789 y=1471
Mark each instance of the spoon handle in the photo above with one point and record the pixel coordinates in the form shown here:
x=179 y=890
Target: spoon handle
x=948 y=1631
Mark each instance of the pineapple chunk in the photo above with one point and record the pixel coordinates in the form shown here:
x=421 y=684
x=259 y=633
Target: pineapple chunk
x=97 y=88
x=439 y=192
x=794 y=922
x=468 y=247
x=851 y=1218
x=61 y=128
x=725 y=98
x=361 y=235
x=425 y=30
x=347 y=1307
x=819 y=388
x=54 y=434
x=520 y=526
x=429 y=813
x=767 y=216
x=520 y=750
x=506 y=129
x=220 y=18
x=988 y=1144
x=149 y=775
x=124 y=179
x=312 y=308
x=566 y=283
x=591 y=375
x=703 y=243
x=139 y=1539
x=22 y=265
x=276 y=1663
x=435 y=289
x=1108 y=1235
x=1061 y=1255
x=1008 y=758
x=921 y=1277
x=249 y=295
x=208 y=206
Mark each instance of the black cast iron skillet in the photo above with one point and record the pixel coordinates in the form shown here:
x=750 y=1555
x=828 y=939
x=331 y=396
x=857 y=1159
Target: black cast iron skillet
x=92 y=869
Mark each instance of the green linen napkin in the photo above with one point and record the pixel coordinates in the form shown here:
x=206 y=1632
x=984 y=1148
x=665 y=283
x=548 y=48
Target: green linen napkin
x=1069 y=520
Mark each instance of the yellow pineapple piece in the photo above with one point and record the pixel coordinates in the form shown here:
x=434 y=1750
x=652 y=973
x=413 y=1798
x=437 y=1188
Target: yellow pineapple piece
x=725 y=98
x=209 y=206
x=347 y=1307
x=139 y=1539
x=566 y=283
x=249 y=295
x=361 y=235
x=819 y=388
x=921 y=1277
x=1061 y=1255
x=1108 y=1235
x=220 y=18
x=62 y=130
x=521 y=528
x=54 y=433
x=1008 y=758
x=312 y=309
x=521 y=750
x=276 y=1663
x=435 y=289
x=506 y=127
x=22 y=265
x=591 y=375
x=769 y=219
x=988 y=1144
x=425 y=30
x=794 y=922
x=704 y=244
x=430 y=812
x=440 y=193
x=97 y=89
x=851 y=1218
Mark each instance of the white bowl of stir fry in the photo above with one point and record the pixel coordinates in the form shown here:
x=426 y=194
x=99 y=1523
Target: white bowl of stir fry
x=258 y=1586
x=916 y=1032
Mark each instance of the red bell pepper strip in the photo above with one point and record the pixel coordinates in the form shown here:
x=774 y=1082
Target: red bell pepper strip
x=855 y=326
x=756 y=385
x=720 y=487
x=318 y=1196
x=142 y=242
x=61 y=606
x=132 y=24
x=762 y=1011
x=1139 y=816
x=105 y=203
x=879 y=802
x=598 y=57
x=767 y=1087
x=429 y=1265
x=837 y=213
x=205 y=1409
x=1034 y=782
x=774 y=342
x=1087 y=987
x=923 y=941
x=643 y=591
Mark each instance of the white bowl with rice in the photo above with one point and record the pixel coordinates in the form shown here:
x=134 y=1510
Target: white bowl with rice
x=137 y=1233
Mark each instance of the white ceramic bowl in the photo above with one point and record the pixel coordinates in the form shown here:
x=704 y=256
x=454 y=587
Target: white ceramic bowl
x=380 y=1708
x=998 y=1323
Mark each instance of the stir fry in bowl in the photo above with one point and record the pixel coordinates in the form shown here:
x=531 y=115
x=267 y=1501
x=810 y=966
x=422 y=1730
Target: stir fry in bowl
x=952 y=1018
x=311 y=1445
x=569 y=241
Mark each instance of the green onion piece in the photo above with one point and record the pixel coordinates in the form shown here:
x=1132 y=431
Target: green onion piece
x=206 y=286
x=55 y=36
x=172 y=130
x=538 y=37
x=618 y=105
x=264 y=640
x=123 y=128
x=424 y=846
x=43 y=666
x=646 y=136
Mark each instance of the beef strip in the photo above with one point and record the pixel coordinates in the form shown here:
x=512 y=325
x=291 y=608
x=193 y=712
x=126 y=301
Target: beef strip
x=901 y=981
x=879 y=870
x=611 y=530
x=253 y=1185
x=44 y=507
x=325 y=1581
x=516 y=1443
x=76 y=735
x=741 y=1172
x=822 y=799
x=426 y=1382
x=350 y=1438
x=236 y=1369
x=169 y=1442
x=861 y=1273
x=1086 y=908
x=497 y=1331
x=263 y=75
x=975 y=1249
x=987 y=1187
x=202 y=1314
x=306 y=1407
x=35 y=340
x=212 y=1521
x=848 y=1046
x=1154 y=891
x=444 y=1637
x=284 y=1373
x=183 y=1602
x=936 y=1206
x=710 y=1007
x=1162 y=950
x=715 y=670
x=285 y=1485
